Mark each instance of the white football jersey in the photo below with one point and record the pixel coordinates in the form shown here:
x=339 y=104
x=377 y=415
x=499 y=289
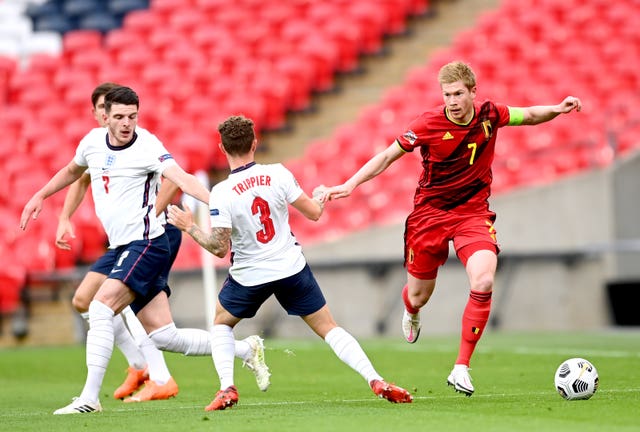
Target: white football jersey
x=253 y=201
x=124 y=183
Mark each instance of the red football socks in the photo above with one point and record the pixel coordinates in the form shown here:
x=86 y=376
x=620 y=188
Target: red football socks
x=474 y=320
x=407 y=303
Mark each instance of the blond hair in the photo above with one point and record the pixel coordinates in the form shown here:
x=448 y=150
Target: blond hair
x=457 y=71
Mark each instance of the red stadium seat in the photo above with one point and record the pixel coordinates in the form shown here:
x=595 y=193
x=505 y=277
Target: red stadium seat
x=348 y=39
x=300 y=74
x=184 y=58
x=207 y=37
x=142 y=23
x=197 y=148
x=8 y=66
x=37 y=96
x=117 y=40
x=185 y=21
x=13 y=276
x=166 y=8
x=231 y=18
x=396 y=14
x=133 y=59
x=36 y=250
x=244 y=103
x=275 y=15
x=22 y=81
x=92 y=61
x=91 y=239
x=43 y=63
x=324 y=56
x=79 y=41
x=371 y=21
x=211 y=8
x=254 y=36
x=275 y=91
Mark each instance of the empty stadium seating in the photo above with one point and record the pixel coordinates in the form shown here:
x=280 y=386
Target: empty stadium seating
x=181 y=65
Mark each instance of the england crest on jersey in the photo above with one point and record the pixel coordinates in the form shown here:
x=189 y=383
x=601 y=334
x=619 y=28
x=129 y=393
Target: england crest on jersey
x=109 y=161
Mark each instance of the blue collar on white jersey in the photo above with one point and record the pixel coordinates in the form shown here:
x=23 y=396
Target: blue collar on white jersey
x=243 y=167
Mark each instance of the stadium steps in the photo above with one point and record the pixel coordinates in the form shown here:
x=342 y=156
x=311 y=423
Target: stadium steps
x=426 y=34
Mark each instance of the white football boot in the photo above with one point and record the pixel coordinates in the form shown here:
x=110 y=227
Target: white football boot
x=79 y=406
x=256 y=363
x=411 y=326
x=460 y=379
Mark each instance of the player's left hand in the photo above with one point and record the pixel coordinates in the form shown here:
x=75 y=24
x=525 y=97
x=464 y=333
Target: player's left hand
x=181 y=219
x=569 y=104
x=336 y=192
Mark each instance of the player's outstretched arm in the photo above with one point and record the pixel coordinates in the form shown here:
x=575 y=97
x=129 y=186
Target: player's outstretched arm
x=61 y=179
x=216 y=242
x=376 y=165
x=188 y=183
x=311 y=208
x=72 y=200
x=542 y=113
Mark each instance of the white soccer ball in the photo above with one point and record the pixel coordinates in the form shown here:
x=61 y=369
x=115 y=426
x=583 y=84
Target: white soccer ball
x=576 y=378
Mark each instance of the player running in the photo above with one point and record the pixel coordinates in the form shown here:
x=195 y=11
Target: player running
x=125 y=163
x=147 y=371
x=250 y=217
x=456 y=142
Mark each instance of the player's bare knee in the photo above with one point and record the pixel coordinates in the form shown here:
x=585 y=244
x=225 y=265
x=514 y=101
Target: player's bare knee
x=80 y=303
x=483 y=283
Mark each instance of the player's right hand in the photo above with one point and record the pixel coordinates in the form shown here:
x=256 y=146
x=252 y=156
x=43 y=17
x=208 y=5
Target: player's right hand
x=30 y=211
x=63 y=233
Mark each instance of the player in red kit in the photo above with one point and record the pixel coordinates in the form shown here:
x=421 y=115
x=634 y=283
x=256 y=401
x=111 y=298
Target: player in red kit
x=456 y=141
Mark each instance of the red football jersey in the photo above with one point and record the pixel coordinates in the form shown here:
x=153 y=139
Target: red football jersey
x=456 y=158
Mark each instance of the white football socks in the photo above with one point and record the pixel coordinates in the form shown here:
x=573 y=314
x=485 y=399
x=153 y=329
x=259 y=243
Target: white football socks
x=243 y=350
x=125 y=342
x=156 y=366
x=190 y=342
x=349 y=351
x=100 y=340
x=222 y=351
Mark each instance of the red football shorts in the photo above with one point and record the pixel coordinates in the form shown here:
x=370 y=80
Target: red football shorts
x=428 y=231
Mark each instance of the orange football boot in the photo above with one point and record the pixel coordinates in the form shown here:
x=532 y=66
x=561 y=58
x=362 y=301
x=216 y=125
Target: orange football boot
x=135 y=379
x=154 y=391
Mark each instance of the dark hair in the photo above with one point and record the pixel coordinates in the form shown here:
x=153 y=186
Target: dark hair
x=101 y=90
x=120 y=95
x=237 y=135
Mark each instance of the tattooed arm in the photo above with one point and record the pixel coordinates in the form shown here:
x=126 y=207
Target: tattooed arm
x=216 y=242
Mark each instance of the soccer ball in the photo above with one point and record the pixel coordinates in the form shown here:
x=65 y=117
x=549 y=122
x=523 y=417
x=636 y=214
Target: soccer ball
x=576 y=378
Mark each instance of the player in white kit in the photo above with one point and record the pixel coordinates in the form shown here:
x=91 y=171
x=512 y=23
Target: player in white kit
x=250 y=216
x=125 y=164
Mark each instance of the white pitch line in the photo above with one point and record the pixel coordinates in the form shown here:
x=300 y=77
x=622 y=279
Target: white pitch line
x=155 y=406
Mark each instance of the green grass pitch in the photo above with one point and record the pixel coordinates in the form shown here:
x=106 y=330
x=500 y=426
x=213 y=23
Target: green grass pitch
x=311 y=390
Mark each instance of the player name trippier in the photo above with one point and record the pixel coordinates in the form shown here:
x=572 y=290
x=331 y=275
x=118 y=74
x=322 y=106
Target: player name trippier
x=250 y=182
